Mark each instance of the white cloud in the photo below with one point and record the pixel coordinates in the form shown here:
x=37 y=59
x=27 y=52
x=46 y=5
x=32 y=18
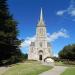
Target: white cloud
x=60 y=13
x=56 y=35
x=27 y=41
x=72 y=12
x=56 y=55
x=50 y=38
x=68 y=11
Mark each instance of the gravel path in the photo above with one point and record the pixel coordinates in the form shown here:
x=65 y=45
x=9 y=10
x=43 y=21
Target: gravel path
x=3 y=69
x=57 y=70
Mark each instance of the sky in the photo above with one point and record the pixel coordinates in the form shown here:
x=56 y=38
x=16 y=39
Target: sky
x=59 y=18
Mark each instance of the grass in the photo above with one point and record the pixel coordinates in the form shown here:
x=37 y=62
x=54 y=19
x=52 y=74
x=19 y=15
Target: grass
x=59 y=63
x=63 y=64
x=28 y=68
x=69 y=71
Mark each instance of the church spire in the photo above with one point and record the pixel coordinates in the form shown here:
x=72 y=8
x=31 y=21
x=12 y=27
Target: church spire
x=41 y=15
x=41 y=21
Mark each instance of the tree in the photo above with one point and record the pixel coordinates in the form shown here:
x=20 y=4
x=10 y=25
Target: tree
x=25 y=56
x=9 y=43
x=68 y=52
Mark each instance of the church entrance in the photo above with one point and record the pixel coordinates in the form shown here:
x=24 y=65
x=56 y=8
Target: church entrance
x=40 y=57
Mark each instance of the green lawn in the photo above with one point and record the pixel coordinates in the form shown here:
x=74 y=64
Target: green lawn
x=28 y=68
x=59 y=63
x=69 y=71
x=63 y=64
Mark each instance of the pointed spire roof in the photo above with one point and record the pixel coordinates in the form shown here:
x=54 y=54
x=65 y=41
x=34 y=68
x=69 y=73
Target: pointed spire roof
x=41 y=15
x=41 y=21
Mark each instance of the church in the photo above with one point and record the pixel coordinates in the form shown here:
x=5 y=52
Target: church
x=40 y=49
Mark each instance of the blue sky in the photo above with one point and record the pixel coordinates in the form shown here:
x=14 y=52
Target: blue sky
x=59 y=17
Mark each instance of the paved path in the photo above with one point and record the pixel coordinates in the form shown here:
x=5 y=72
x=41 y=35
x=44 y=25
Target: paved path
x=57 y=70
x=3 y=69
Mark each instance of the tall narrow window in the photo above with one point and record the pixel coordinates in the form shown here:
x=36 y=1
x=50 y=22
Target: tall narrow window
x=32 y=50
x=40 y=44
x=41 y=31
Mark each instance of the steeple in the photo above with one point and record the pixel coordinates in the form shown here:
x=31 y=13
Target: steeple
x=41 y=15
x=41 y=21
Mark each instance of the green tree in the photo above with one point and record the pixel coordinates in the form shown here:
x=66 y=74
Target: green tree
x=25 y=56
x=9 y=43
x=68 y=52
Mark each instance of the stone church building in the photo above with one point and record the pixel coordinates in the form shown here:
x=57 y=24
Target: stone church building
x=40 y=48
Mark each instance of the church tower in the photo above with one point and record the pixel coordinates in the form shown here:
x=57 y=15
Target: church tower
x=40 y=48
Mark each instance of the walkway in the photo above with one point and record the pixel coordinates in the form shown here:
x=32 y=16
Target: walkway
x=57 y=70
x=3 y=69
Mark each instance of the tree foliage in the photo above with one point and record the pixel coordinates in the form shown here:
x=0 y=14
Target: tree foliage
x=68 y=52
x=25 y=56
x=9 y=43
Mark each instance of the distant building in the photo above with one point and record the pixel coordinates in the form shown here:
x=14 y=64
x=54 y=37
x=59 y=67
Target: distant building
x=40 y=48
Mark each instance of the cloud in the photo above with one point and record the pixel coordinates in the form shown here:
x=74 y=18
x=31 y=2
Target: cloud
x=70 y=11
x=27 y=41
x=56 y=55
x=50 y=38
x=60 y=13
x=56 y=35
